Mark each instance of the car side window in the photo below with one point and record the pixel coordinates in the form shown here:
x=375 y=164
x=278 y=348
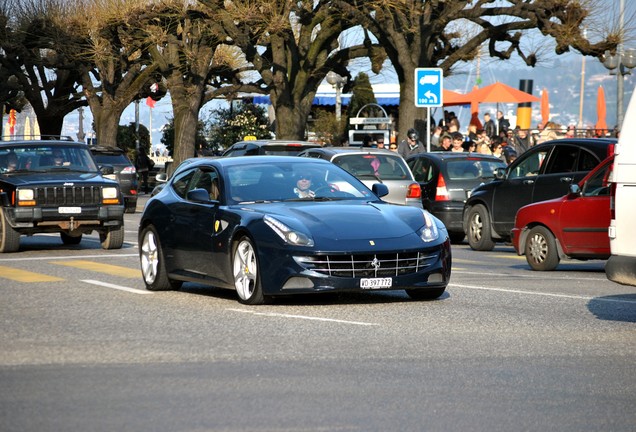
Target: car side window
x=587 y=161
x=208 y=179
x=562 y=160
x=180 y=183
x=421 y=168
x=598 y=184
x=529 y=166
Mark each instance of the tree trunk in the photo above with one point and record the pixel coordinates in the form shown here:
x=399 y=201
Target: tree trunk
x=408 y=112
x=291 y=123
x=50 y=123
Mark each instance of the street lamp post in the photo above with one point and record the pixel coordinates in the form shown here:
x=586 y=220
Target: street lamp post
x=338 y=81
x=620 y=65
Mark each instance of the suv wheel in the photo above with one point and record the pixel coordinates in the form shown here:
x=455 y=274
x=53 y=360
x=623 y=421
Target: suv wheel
x=9 y=238
x=113 y=239
x=479 y=230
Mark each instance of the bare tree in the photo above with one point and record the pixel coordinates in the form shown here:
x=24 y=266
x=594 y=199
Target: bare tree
x=185 y=46
x=115 y=70
x=438 y=33
x=49 y=81
x=292 y=45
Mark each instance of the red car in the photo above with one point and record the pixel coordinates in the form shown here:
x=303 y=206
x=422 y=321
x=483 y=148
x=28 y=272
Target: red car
x=573 y=226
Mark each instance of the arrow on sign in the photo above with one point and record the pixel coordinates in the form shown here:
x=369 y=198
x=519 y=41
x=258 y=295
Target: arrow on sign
x=431 y=96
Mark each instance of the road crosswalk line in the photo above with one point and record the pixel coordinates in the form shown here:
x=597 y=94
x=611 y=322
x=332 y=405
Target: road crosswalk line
x=101 y=268
x=25 y=276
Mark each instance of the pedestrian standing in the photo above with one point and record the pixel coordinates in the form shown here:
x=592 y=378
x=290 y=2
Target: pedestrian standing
x=143 y=164
x=411 y=145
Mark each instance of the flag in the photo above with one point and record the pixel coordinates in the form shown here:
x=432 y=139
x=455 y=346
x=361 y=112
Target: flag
x=150 y=102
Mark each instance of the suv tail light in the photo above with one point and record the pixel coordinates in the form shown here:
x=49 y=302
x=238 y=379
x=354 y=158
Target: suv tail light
x=414 y=191
x=442 y=193
x=129 y=170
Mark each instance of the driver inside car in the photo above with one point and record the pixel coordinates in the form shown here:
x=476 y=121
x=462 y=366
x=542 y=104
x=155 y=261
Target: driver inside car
x=303 y=187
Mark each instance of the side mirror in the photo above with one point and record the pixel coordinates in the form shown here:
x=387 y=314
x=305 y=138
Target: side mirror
x=380 y=189
x=500 y=173
x=575 y=189
x=106 y=169
x=161 y=178
x=198 y=195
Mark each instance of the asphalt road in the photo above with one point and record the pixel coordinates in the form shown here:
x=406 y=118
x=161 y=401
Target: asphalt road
x=85 y=348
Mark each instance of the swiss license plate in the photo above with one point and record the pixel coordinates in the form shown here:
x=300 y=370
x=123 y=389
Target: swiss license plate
x=69 y=210
x=376 y=283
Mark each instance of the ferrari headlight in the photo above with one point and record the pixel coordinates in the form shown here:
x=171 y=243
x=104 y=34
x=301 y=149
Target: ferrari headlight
x=429 y=231
x=288 y=234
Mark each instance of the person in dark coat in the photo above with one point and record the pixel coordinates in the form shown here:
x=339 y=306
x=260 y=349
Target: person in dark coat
x=143 y=164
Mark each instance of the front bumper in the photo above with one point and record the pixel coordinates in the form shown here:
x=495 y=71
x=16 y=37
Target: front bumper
x=296 y=275
x=30 y=220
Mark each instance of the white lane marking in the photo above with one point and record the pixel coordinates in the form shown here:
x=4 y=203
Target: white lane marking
x=530 y=276
x=117 y=287
x=279 y=315
x=570 y=296
x=47 y=258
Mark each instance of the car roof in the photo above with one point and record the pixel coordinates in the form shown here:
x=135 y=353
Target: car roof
x=333 y=151
x=251 y=160
x=265 y=142
x=105 y=149
x=446 y=155
x=48 y=143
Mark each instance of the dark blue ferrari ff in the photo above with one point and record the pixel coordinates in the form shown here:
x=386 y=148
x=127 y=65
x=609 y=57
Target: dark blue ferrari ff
x=269 y=225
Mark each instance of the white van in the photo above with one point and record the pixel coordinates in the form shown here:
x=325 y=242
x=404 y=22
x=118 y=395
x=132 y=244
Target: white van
x=621 y=266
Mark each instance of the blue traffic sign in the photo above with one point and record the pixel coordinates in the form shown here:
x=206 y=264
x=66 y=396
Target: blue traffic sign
x=428 y=87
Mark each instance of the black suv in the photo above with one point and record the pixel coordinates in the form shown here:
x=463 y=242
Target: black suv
x=543 y=172
x=125 y=172
x=54 y=186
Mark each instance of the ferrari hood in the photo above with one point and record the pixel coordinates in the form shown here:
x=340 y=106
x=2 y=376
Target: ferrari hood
x=342 y=221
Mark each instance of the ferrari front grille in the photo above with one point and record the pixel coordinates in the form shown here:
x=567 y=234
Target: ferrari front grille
x=368 y=265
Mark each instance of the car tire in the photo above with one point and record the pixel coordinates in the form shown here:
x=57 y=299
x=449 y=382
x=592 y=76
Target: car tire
x=9 y=238
x=426 y=293
x=456 y=237
x=479 y=230
x=152 y=261
x=541 y=249
x=245 y=269
x=113 y=239
x=69 y=239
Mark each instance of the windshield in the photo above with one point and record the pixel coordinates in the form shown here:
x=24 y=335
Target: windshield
x=293 y=181
x=369 y=166
x=45 y=158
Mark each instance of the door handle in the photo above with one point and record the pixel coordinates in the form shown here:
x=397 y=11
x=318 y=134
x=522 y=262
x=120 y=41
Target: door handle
x=528 y=182
x=567 y=180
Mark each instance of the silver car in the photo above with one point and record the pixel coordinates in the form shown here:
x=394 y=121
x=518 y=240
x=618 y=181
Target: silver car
x=372 y=165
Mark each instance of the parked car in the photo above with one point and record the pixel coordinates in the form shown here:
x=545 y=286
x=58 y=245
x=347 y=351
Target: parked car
x=125 y=173
x=573 y=226
x=447 y=180
x=372 y=165
x=543 y=172
x=240 y=223
x=54 y=186
x=621 y=266
x=268 y=147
